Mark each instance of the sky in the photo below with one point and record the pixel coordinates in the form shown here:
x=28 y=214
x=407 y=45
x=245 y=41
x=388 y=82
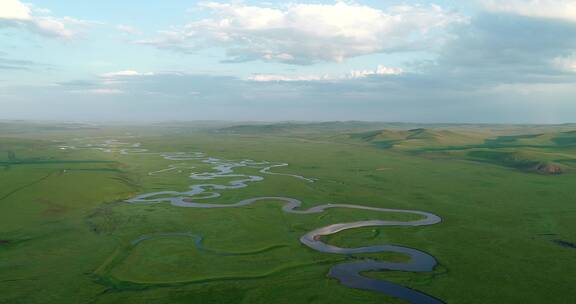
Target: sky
x=473 y=61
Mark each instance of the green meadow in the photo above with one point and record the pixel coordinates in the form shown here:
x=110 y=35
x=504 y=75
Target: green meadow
x=506 y=195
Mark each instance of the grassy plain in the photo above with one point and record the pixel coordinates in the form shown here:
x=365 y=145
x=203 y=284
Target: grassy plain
x=66 y=235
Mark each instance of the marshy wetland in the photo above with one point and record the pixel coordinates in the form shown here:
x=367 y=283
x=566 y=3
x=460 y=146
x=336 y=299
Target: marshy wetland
x=176 y=214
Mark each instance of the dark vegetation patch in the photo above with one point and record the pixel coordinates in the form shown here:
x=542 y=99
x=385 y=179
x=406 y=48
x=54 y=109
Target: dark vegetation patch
x=512 y=160
x=565 y=140
x=482 y=146
x=565 y=244
x=508 y=159
x=567 y=161
x=386 y=144
x=420 y=133
x=103 y=220
x=508 y=139
x=386 y=139
x=366 y=135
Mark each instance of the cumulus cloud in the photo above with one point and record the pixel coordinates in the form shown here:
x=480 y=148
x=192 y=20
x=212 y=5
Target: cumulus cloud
x=309 y=33
x=15 y=14
x=555 y=9
x=354 y=74
x=14 y=9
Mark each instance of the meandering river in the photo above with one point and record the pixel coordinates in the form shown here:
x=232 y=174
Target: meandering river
x=350 y=274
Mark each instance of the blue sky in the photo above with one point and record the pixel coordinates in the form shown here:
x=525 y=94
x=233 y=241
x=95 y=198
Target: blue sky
x=426 y=61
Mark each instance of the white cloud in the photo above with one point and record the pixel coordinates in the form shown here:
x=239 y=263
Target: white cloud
x=14 y=9
x=308 y=33
x=565 y=63
x=16 y=14
x=556 y=9
x=355 y=74
x=125 y=73
x=379 y=71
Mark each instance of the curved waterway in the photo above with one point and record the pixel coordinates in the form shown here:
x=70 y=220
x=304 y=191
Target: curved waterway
x=349 y=274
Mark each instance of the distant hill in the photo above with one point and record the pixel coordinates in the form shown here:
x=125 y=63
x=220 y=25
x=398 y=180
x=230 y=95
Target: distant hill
x=542 y=150
x=22 y=127
x=382 y=130
x=302 y=128
x=421 y=137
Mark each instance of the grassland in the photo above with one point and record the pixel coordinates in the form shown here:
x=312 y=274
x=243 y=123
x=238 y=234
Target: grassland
x=66 y=236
